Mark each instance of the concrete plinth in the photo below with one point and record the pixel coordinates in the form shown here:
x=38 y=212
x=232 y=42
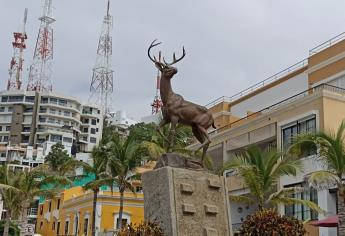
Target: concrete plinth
x=186 y=202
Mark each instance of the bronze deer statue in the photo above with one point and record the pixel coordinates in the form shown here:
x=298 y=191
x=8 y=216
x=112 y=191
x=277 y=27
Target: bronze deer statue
x=176 y=110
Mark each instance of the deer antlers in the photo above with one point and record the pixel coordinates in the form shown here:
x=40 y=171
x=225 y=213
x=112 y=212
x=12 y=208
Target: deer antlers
x=154 y=60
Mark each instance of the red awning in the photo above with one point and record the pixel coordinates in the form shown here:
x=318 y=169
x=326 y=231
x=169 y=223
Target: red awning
x=331 y=221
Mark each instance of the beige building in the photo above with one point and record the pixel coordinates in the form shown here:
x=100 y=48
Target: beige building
x=305 y=97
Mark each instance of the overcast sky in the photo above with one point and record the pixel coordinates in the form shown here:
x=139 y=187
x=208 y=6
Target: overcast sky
x=230 y=44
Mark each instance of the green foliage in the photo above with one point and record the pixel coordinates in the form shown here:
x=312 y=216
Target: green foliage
x=13 y=231
x=261 y=171
x=57 y=157
x=142 y=229
x=268 y=223
x=154 y=145
x=331 y=152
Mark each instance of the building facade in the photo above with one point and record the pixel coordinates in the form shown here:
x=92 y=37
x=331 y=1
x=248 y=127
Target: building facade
x=70 y=213
x=306 y=97
x=32 y=122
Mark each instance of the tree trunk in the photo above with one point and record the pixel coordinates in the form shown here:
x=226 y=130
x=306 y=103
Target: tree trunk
x=7 y=223
x=24 y=219
x=341 y=212
x=94 y=209
x=119 y=223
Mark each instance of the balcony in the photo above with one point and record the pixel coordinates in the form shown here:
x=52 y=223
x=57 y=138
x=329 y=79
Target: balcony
x=309 y=92
x=32 y=212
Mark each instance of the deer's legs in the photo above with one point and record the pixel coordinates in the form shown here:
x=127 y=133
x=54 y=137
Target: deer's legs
x=206 y=141
x=173 y=123
x=161 y=124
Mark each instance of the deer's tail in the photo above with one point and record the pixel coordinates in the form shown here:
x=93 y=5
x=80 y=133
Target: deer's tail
x=214 y=126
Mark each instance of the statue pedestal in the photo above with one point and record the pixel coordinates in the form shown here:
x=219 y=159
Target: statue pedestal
x=186 y=202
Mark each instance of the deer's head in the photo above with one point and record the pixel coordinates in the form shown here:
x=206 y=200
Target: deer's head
x=167 y=70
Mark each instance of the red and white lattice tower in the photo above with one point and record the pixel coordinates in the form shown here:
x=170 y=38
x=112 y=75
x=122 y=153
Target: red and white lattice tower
x=16 y=65
x=41 y=68
x=102 y=78
x=157 y=102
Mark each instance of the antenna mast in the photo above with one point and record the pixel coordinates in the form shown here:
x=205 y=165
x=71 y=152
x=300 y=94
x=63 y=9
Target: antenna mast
x=157 y=102
x=102 y=77
x=16 y=65
x=41 y=68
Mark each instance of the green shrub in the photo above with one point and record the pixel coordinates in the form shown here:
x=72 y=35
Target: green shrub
x=142 y=229
x=269 y=223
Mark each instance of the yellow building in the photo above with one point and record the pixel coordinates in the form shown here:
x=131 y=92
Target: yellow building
x=70 y=213
x=306 y=97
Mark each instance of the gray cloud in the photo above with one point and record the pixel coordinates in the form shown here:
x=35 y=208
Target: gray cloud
x=230 y=44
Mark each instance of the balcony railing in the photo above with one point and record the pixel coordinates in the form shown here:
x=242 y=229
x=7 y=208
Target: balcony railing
x=32 y=211
x=298 y=96
x=327 y=44
x=261 y=84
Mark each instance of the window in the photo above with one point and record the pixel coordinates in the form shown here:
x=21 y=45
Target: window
x=58 y=228
x=52 y=111
x=93 y=131
x=10 y=109
x=50 y=206
x=55 y=138
x=2 y=109
x=86 y=121
x=76 y=224
x=53 y=100
x=93 y=140
x=93 y=122
x=66 y=227
x=5 y=139
x=15 y=98
x=86 y=130
x=126 y=219
x=66 y=113
x=8 y=128
x=30 y=99
x=58 y=204
x=67 y=140
x=86 y=225
x=4 y=99
x=44 y=100
x=300 y=211
x=51 y=120
x=53 y=226
x=290 y=132
x=62 y=102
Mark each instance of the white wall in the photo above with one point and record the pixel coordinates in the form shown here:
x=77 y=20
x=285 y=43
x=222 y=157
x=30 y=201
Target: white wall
x=271 y=96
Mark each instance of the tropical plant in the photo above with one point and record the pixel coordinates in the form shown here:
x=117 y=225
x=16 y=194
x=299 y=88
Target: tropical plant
x=13 y=229
x=261 y=171
x=124 y=157
x=331 y=154
x=27 y=186
x=97 y=170
x=12 y=200
x=267 y=222
x=146 y=228
x=156 y=144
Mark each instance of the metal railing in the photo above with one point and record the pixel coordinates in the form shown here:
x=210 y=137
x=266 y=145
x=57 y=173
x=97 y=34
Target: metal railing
x=32 y=211
x=261 y=84
x=327 y=44
x=295 y=97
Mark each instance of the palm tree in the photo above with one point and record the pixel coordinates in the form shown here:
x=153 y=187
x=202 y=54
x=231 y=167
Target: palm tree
x=96 y=169
x=331 y=153
x=11 y=199
x=156 y=144
x=28 y=185
x=261 y=171
x=124 y=157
